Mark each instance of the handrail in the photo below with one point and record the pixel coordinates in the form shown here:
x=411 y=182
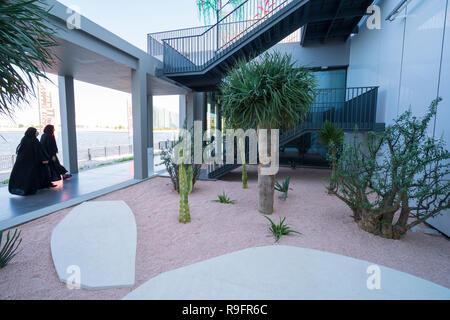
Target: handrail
x=195 y=52
x=346 y=108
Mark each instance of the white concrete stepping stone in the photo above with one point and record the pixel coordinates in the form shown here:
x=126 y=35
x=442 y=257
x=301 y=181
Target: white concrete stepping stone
x=95 y=245
x=284 y=272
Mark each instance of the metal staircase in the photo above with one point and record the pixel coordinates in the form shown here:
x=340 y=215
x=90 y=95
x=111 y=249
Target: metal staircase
x=346 y=108
x=199 y=57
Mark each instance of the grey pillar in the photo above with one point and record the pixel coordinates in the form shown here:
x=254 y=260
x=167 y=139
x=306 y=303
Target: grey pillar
x=68 y=124
x=150 y=139
x=187 y=110
x=183 y=111
x=140 y=123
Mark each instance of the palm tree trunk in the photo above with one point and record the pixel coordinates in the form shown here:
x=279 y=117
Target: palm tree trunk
x=266 y=183
x=244 y=164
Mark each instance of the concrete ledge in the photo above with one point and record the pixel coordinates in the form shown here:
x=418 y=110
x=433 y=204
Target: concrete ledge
x=94 y=246
x=25 y=218
x=287 y=273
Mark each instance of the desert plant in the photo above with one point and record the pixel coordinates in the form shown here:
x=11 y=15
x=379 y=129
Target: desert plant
x=280 y=229
x=223 y=198
x=267 y=93
x=397 y=181
x=168 y=159
x=9 y=249
x=331 y=136
x=283 y=188
x=26 y=38
x=293 y=164
x=185 y=177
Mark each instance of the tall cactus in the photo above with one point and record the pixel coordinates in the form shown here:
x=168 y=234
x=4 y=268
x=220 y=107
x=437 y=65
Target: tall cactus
x=185 y=190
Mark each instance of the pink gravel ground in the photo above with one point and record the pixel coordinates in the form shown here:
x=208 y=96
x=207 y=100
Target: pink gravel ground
x=217 y=229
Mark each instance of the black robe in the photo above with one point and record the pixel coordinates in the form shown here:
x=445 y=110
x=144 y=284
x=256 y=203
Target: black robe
x=29 y=174
x=48 y=143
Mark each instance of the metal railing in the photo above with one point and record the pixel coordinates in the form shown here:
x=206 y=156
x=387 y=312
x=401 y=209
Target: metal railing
x=195 y=52
x=99 y=153
x=7 y=162
x=84 y=155
x=347 y=108
x=155 y=40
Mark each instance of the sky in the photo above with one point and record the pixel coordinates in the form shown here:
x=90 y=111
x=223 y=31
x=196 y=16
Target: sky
x=131 y=20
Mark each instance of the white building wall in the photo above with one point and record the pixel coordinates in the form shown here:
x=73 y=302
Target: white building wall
x=404 y=59
x=327 y=55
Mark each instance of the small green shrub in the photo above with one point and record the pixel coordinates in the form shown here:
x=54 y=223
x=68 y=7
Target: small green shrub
x=223 y=198
x=283 y=188
x=293 y=164
x=5 y=181
x=281 y=229
x=8 y=251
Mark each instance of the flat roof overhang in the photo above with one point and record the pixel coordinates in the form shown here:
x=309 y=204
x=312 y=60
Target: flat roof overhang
x=94 y=55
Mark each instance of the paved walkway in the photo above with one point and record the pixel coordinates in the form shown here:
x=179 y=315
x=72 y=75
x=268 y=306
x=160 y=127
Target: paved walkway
x=286 y=272
x=84 y=186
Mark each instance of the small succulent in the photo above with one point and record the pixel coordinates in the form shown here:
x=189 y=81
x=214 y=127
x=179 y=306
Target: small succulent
x=283 y=188
x=281 y=229
x=223 y=198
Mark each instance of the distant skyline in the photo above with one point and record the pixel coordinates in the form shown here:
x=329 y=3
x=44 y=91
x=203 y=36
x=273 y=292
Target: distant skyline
x=131 y=21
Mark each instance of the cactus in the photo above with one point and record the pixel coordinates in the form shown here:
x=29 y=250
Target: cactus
x=190 y=179
x=185 y=216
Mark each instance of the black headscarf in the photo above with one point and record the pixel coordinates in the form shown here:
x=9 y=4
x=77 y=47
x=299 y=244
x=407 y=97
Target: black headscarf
x=29 y=137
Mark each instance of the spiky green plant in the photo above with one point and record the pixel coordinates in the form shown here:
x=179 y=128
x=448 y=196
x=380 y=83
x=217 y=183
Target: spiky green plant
x=9 y=249
x=331 y=136
x=280 y=229
x=26 y=40
x=293 y=164
x=185 y=214
x=267 y=93
x=223 y=198
x=283 y=187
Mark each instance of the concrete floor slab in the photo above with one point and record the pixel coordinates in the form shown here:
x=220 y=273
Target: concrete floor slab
x=86 y=185
x=285 y=272
x=94 y=246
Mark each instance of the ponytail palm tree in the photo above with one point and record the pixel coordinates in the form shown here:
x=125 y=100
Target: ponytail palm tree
x=331 y=136
x=267 y=93
x=25 y=40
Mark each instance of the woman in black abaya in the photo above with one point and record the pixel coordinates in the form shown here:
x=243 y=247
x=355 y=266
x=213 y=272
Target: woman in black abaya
x=29 y=173
x=48 y=142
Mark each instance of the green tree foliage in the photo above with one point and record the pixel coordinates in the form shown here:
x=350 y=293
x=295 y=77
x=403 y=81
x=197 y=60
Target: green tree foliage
x=25 y=39
x=267 y=93
x=331 y=136
x=399 y=180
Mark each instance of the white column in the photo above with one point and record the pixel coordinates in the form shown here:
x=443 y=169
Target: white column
x=68 y=124
x=140 y=123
